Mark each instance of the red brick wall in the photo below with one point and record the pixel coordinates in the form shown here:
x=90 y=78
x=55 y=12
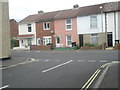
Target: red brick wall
x=35 y=47
x=117 y=46
x=40 y=32
x=13 y=28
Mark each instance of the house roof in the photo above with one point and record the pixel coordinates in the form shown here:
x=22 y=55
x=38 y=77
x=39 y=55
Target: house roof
x=112 y=6
x=12 y=20
x=40 y=17
x=70 y=13
x=88 y=10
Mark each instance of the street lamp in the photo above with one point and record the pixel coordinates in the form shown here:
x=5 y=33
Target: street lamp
x=101 y=8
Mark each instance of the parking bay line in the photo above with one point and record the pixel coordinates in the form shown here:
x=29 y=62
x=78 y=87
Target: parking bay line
x=57 y=66
x=4 y=87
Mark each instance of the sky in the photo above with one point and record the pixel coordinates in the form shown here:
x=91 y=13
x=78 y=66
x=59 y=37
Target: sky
x=19 y=9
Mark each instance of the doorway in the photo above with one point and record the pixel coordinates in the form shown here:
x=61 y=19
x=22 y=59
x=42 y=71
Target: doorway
x=109 y=39
x=81 y=40
x=57 y=41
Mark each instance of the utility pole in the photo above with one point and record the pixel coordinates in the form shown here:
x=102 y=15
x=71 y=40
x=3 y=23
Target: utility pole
x=104 y=42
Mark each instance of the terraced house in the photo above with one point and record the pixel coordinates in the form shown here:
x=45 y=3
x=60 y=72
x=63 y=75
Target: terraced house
x=96 y=24
x=57 y=28
x=99 y=24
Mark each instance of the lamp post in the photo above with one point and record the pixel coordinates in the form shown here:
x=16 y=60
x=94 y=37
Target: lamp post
x=104 y=42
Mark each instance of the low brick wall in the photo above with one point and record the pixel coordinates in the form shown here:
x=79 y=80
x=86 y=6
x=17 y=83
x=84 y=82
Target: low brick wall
x=91 y=47
x=117 y=46
x=35 y=47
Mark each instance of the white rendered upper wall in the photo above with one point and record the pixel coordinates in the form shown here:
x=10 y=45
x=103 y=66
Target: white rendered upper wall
x=83 y=24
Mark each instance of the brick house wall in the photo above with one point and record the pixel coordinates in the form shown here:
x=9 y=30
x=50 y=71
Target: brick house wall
x=40 y=32
x=13 y=28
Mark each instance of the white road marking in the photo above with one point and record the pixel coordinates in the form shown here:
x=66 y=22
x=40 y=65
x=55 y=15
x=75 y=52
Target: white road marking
x=91 y=61
x=57 y=66
x=103 y=61
x=47 y=60
x=81 y=60
x=37 y=51
x=4 y=87
x=57 y=60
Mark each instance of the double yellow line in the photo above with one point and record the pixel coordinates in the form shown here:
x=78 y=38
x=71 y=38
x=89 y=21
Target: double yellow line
x=90 y=81
x=92 y=78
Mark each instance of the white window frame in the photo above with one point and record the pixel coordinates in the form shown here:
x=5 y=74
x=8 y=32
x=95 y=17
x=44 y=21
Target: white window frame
x=92 y=21
x=38 y=39
x=46 y=26
x=29 y=26
x=94 y=36
x=68 y=24
x=67 y=41
x=45 y=40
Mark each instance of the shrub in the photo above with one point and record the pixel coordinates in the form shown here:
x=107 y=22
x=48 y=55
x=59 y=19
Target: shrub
x=88 y=44
x=13 y=42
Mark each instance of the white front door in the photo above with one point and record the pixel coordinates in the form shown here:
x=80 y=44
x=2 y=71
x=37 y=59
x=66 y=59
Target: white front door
x=22 y=43
x=57 y=41
x=69 y=41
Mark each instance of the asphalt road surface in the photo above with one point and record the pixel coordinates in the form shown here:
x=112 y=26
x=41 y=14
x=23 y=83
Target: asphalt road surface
x=54 y=69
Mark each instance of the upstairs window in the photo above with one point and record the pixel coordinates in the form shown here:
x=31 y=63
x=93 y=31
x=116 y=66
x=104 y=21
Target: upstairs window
x=29 y=28
x=68 y=24
x=46 y=26
x=93 y=21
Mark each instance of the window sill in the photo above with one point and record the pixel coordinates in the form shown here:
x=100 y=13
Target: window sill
x=68 y=29
x=46 y=29
x=94 y=28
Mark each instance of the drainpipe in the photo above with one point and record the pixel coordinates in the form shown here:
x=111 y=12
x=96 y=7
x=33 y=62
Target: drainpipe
x=115 y=24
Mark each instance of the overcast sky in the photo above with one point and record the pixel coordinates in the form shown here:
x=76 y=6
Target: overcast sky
x=20 y=9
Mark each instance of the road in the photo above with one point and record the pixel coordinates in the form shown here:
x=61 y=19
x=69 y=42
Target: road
x=54 y=69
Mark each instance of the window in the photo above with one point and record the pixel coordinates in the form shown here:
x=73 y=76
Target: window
x=68 y=24
x=93 y=21
x=47 y=40
x=22 y=41
x=29 y=28
x=38 y=41
x=46 y=26
x=29 y=42
x=94 y=39
x=68 y=40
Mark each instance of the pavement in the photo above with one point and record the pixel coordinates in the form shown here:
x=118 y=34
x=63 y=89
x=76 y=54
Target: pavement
x=105 y=79
x=114 y=70
x=109 y=77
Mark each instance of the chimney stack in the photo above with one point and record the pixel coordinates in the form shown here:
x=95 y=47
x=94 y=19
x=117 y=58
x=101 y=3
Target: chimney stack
x=76 y=6
x=40 y=12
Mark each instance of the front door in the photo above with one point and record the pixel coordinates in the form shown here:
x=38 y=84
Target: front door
x=22 y=43
x=109 y=39
x=57 y=41
x=29 y=42
x=81 y=40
